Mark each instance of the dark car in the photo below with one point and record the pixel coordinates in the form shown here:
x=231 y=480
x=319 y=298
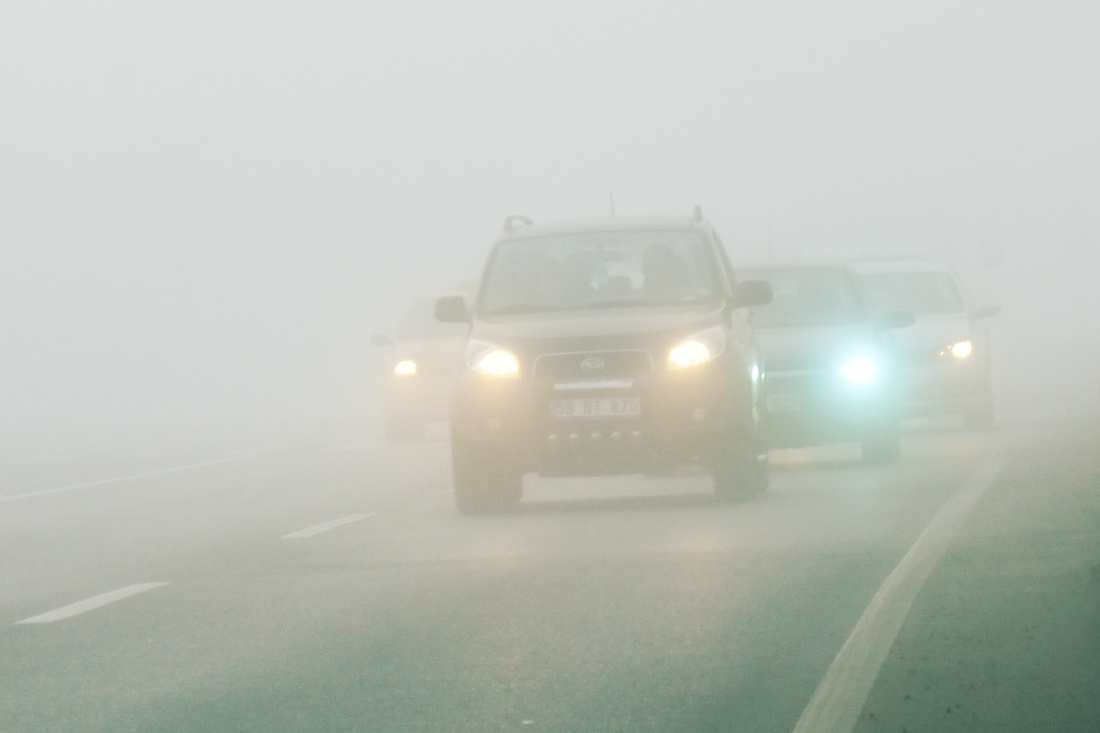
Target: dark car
x=946 y=359
x=604 y=347
x=829 y=370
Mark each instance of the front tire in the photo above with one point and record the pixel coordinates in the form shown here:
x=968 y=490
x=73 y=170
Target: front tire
x=486 y=478
x=740 y=472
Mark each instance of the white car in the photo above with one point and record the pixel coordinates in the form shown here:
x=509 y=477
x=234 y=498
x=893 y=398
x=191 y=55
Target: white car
x=416 y=382
x=946 y=357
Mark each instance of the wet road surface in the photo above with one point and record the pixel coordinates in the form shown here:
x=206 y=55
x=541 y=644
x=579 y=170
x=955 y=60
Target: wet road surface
x=334 y=587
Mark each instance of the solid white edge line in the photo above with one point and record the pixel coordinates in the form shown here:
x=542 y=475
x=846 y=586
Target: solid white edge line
x=839 y=699
x=88 y=604
x=131 y=477
x=325 y=526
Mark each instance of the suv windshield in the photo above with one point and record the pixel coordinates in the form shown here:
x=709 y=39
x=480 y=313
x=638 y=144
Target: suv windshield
x=920 y=293
x=807 y=297
x=599 y=270
x=420 y=324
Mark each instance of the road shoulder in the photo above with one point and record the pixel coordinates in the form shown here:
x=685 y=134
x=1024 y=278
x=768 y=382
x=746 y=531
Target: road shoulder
x=1005 y=634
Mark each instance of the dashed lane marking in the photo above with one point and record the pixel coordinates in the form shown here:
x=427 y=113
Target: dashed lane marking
x=325 y=526
x=89 y=604
x=839 y=699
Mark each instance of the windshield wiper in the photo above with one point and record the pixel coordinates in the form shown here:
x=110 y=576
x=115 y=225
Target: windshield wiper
x=624 y=304
x=521 y=308
x=595 y=305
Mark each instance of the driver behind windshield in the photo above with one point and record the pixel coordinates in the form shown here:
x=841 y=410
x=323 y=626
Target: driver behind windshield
x=598 y=271
x=665 y=274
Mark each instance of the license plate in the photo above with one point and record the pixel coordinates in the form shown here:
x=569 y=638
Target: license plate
x=596 y=407
x=784 y=402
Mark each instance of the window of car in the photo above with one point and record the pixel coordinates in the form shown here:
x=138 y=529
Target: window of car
x=920 y=293
x=807 y=297
x=420 y=324
x=588 y=270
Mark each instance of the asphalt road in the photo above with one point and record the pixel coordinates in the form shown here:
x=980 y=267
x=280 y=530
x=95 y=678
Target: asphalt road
x=334 y=588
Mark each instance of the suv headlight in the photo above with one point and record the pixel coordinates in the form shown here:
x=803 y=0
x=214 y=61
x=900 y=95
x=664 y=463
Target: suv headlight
x=698 y=349
x=491 y=360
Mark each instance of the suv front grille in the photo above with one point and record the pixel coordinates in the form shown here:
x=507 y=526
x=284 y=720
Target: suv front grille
x=592 y=365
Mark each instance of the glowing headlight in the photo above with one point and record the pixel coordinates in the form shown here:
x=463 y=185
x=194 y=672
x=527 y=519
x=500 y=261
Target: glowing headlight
x=860 y=369
x=499 y=363
x=489 y=359
x=405 y=368
x=962 y=349
x=701 y=348
x=688 y=354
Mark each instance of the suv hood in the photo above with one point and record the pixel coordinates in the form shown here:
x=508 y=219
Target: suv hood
x=582 y=330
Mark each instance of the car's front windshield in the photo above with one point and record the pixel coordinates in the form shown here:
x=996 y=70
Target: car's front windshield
x=592 y=270
x=920 y=293
x=807 y=297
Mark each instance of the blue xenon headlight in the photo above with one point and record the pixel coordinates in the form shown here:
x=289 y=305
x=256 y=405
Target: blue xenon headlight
x=859 y=369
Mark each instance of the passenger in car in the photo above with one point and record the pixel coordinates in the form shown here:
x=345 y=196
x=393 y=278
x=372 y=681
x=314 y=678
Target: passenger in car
x=665 y=274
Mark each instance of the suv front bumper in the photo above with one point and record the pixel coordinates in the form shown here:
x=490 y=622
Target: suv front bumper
x=683 y=417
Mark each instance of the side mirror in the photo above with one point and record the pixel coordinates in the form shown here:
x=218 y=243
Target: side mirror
x=451 y=309
x=890 y=320
x=381 y=339
x=986 y=311
x=751 y=293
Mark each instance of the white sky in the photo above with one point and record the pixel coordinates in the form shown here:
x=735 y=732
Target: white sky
x=206 y=208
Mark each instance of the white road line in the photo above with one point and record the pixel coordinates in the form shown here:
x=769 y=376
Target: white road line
x=325 y=526
x=88 y=604
x=131 y=477
x=839 y=699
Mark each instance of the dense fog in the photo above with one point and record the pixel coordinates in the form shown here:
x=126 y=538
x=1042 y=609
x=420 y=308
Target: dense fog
x=206 y=209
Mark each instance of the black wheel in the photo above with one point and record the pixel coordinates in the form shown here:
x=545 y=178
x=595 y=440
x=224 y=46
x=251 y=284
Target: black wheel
x=403 y=429
x=882 y=446
x=740 y=471
x=486 y=478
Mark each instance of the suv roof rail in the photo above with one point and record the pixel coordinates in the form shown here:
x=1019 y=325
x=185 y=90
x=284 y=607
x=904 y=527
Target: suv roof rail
x=510 y=221
x=697 y=215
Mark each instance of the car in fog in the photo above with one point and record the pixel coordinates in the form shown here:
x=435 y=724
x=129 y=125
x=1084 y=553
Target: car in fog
x=946 y=359
x=609 y=346
x=416 y=380
x=828 y=366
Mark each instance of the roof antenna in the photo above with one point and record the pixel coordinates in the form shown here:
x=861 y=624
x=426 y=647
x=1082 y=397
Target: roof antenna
x=697 y=215
x=611 y=196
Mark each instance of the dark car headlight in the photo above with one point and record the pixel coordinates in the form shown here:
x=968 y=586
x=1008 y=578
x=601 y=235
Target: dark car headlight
x=860 y=369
